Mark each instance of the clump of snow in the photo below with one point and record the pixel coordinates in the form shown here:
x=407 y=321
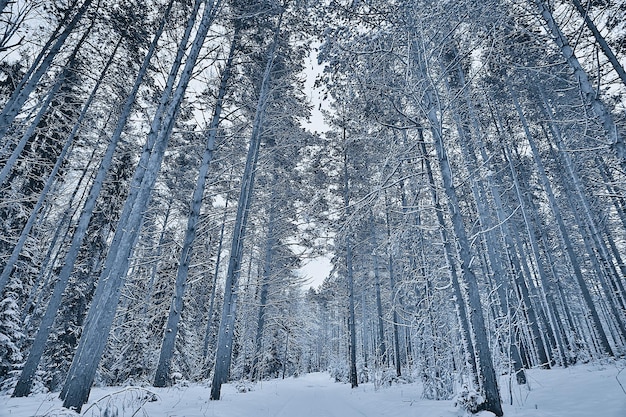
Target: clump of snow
x=579 y=391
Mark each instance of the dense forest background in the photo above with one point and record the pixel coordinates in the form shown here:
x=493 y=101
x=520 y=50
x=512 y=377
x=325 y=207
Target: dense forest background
x=159 y=192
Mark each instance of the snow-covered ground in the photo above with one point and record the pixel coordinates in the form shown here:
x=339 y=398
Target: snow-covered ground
x=581 y=391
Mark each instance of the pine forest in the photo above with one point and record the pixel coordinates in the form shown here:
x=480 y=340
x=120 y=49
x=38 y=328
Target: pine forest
x=169 y=169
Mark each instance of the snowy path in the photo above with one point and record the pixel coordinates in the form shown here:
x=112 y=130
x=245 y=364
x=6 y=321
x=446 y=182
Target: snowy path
x=582 y=391
x=313 y=395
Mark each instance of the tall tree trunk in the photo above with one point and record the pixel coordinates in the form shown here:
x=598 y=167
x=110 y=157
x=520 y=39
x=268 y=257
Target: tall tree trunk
x=487 y=374
x=8 y=268
x=223 y=355
x=102 y=311
x=352 y=372
x=592 y=234
x=270 y=244
x=365 y=332
x=543 y=275
x=381 y=353
x=561 y=226
x=81 y=228
x=392 y=285
x=162 y=376
x=466 y=333
x=589 y=93
x=480 y=198
x=28 y=134
x=218 y=256
x=32 y=77
x=619 y=69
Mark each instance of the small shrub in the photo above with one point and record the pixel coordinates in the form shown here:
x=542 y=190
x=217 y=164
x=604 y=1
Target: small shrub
x=469 y=400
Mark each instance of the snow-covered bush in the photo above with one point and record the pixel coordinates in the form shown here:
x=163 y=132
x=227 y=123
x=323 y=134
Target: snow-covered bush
x=384 y=377
x=244 y=385
x=339 y=371
x=10 y=336
x=468 y=400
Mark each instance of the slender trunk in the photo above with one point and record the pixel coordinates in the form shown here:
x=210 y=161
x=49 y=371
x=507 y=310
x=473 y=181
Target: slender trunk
x=365 y=330
x=223 y=355
x=594 y=238
x=270 y=244
x=487 y=375
x=479 y=193
x=27 y=85
x=23 y=386
x=157 y=259
x=609 y=181
x=381 y=353
x=218 y=256
x=81 y=230
x=596 y=250
x=601 y=41
x=28 y=134
x=562 y=228
x=589 y=93
x=103 y=307
x=171 y=329
x=8 y=268
x=466 y=334
x=352 y=373
x=543 y=275
x=392 y=285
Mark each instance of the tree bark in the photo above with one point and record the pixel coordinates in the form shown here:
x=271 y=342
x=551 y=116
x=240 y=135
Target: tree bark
x=81 y=229
x=381 y=353
x=352 y=373
x=24 y=383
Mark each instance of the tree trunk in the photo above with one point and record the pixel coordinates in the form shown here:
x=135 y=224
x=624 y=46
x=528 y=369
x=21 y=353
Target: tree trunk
x=586 y=88
x=229 y=307
x=601 y=41
x=103 y=307
x=480 y=198
x=13 y=106
x=392 y=285
x=466 y=333
x=205 y=347
x=8 y=268
x=349 y=270
x=162 y=376
x=543 y=275
x=381 y=353
x=594 y=238
x=487 y=375
x=81 y=229
x=26 y=377
x=270 y=244
x=28 y=134
x=561 y=226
